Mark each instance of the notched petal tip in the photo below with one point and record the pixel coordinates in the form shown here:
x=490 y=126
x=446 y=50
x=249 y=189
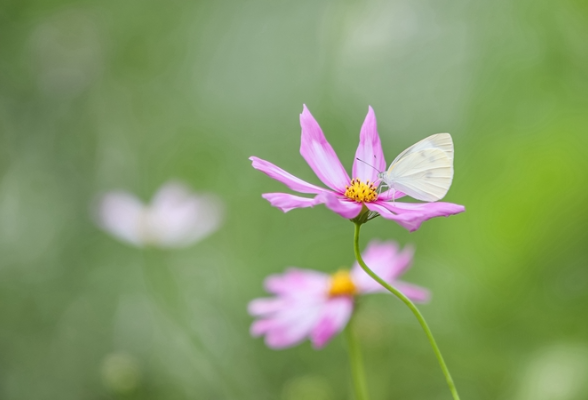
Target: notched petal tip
x=306 y=114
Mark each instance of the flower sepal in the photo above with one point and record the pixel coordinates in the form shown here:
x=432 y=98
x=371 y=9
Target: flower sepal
x=364 y=216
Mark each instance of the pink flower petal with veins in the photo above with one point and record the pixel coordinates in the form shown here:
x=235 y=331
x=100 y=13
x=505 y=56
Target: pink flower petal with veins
x=369 y=151
x=287 y=202
x=412 y=215
x=390 y=195
x=286 y=178
x=319 y=154
x=345 y=208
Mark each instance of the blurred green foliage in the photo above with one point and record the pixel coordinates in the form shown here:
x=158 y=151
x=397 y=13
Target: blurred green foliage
x=102 y=95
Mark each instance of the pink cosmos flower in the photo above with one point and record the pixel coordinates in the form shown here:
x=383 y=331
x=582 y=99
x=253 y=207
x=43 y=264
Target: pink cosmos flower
x=176 y=217
x=347 y=197
x=317 y=305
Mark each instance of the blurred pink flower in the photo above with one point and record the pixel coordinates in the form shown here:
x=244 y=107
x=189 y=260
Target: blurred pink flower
x=317 y=305
x=176 y=217
x=348 y=196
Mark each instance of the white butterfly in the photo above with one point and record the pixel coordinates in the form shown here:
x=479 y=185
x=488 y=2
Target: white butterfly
x=424 y=171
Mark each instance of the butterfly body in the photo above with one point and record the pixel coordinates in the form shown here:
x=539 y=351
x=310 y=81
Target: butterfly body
x=424 y=171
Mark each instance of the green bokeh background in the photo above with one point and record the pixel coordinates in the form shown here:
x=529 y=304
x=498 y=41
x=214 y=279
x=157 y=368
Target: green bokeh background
x=96 y=96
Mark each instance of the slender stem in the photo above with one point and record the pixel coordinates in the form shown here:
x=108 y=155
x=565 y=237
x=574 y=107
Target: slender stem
x=356 y=362
x=412 y=307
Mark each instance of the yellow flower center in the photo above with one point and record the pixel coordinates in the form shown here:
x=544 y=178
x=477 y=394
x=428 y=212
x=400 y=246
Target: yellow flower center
x=361 y=192
x=341 y=284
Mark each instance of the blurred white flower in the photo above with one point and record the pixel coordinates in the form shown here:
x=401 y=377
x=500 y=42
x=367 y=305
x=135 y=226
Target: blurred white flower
x=176 y=217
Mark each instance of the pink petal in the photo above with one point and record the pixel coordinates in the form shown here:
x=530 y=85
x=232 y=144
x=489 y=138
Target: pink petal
x=261 y=327
x=335 y=315
x=407 y=221
x=412 y=215
x=396 y=261
x=291 y=316
x=290 y=326
x=369 y=151
x=287 y=202
x=319 y=154
x=286 y=178
x=297 y=283
x=415 y=293
x=345 y=208
x=385 y=260
x=122 y=215
x=390 y=194
x=265 y=306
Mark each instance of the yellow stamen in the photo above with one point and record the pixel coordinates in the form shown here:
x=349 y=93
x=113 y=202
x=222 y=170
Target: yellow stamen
x=341 y=284
x=361 y=192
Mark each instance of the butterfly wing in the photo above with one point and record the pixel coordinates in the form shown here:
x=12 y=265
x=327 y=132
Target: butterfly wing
x=424 y=175
x=441 y=141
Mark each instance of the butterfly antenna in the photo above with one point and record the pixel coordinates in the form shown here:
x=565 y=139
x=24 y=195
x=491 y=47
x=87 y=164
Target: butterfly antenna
x=359 y=159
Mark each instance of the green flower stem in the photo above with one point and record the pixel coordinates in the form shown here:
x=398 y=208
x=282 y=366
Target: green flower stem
x=356 y=362
x=412 y=307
